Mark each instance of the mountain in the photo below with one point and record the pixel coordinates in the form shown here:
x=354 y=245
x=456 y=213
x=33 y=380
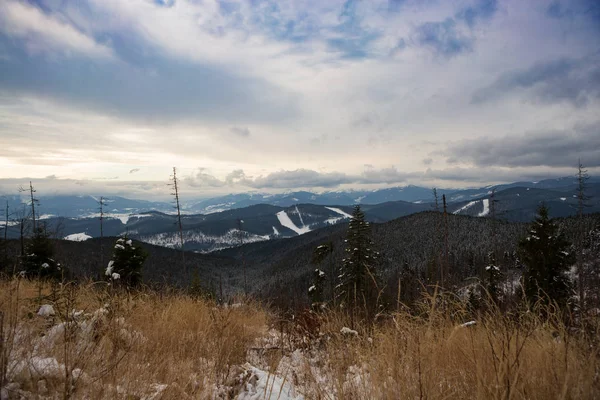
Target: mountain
x=262 y=222
x=521 y=203
x=86 y=206
x=81 y=206
x=333 y=198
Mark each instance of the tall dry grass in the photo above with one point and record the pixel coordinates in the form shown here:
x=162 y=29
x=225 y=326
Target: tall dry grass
x=150 y=345
x=435 y=355
x=122 y=345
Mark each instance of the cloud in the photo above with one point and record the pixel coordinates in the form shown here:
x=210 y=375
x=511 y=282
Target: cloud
x=453 y=35
x=445 y=38
x=44 y=34
x=169 y=91
x=480 y=11
x=240 y=131
x=574 y=81
x=201 y=178
x=557 y=148
x=133 y=171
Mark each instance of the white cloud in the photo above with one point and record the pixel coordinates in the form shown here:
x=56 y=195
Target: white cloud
x=45 y=34
x=273 y=88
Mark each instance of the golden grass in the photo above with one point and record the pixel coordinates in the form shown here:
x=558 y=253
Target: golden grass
x=434 y=356
x=136 y=341
x=197 y=349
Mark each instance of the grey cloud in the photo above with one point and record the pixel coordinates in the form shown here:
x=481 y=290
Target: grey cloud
x=481 y=10
x=385 y=175
x=240 y=131
x=575 y=81
x=162 y=91
x=203 y=179
x=299 y=178
x=133 y=171
x=558 y=148
x=428 y=161
x=443 y=37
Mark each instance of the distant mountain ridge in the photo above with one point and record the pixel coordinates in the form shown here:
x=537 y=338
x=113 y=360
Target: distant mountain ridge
x=72 y=206
x=155 y=222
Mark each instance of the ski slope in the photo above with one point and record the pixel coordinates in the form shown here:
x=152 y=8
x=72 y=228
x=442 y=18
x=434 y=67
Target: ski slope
x=465 y=207
x=338 y=211
x=285 y=220
x=486 y=208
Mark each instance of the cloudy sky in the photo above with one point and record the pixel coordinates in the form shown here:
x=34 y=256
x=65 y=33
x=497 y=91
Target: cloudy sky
x=106 y=96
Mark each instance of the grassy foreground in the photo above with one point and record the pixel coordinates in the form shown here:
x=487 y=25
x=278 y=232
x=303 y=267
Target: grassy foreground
x=100 y=344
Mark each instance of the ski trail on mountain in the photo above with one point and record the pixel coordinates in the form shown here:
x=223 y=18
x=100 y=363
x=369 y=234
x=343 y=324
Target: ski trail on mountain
x=486 y=208
x=338 y=211
x=285 y=220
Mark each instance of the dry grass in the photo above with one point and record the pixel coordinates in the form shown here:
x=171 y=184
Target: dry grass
x=126 y=346
x=435 y=356
x=123 y=345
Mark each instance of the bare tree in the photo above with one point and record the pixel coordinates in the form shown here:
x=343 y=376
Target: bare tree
x=241 y=242
x=175 y=193
x=101 y=205
x=5 y=244
x=436 y=204
x=33 y=202
x=6 y=222
x=582 y=198
x=445 y=263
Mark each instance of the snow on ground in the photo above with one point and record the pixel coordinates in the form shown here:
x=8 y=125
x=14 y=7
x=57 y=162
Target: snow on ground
x=300 y=216
x=285 y=220
x=211 y=242
x=337 y=210
x=275 y=231
x=78 y=237
x=264 y=385
x=486 y=208
x=465 y=207
x=333 y=220
x=123 y=217
x=563 y=198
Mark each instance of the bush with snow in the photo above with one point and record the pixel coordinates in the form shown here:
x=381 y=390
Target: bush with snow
x=126 y=264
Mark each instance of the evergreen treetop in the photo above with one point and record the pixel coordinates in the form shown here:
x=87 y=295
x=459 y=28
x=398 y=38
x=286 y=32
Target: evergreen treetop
x=547 y=257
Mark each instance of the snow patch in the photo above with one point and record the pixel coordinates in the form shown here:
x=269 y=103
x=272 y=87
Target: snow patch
x=46 y=310
x=465 y=207
x=78 y=237
x=262 y=385
x=486 y=208
x=285 y=220
x=338 y=211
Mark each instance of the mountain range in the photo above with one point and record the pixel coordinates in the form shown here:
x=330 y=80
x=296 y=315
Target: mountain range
x=232 y=220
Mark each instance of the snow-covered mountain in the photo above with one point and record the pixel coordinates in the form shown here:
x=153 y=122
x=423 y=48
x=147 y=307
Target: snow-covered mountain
x=293 y=214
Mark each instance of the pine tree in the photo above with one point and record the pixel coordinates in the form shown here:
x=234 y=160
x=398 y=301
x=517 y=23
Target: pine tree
x=493 y=279
x=126 y=264
x=320 y=253
x=315 y=291
x=358 y=287
x=546 y=255
x=38 y=259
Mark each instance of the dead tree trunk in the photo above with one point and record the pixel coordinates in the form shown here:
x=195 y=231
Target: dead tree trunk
x=178 y=207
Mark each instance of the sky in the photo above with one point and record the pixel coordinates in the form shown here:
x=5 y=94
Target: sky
x=107 y=96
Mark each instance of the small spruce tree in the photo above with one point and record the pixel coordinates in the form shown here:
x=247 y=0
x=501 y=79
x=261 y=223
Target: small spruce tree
x=358 y=287
x=493 y=279
x=38 y=259
x=126 y=264
x=315 y=291
x=547 y=257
